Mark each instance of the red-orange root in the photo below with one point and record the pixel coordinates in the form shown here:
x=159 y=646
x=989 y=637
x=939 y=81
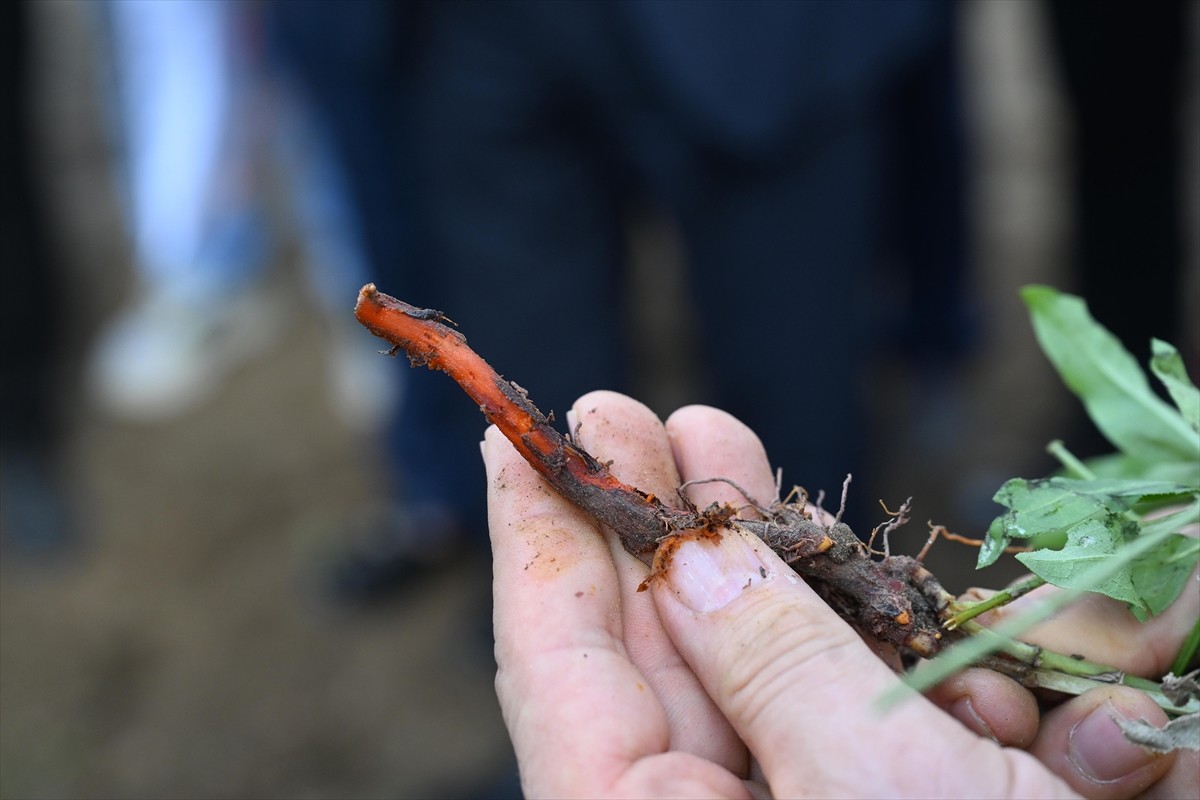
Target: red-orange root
x=642 y=519
x=895 y=600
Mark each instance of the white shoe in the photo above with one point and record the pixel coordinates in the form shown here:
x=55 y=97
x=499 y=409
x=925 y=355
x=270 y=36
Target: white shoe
x=163 y=357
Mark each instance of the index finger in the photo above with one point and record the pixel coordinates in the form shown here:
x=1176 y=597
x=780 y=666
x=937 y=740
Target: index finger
x=574 y=704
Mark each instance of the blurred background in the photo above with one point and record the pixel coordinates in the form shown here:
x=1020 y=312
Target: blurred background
x=243 y=554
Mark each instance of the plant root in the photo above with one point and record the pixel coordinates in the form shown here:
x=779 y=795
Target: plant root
x=895 y=600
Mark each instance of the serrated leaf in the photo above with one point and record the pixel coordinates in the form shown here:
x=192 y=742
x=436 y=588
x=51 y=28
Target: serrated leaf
x=1167 y=366
x=1049 y=504
x=1114 y=389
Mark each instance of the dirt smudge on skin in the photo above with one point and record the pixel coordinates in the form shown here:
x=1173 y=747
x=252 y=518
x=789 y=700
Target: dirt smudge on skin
x=666 y=551
x=554 y=549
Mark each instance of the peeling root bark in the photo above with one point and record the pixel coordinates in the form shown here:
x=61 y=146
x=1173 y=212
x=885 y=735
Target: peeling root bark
x=895 y=600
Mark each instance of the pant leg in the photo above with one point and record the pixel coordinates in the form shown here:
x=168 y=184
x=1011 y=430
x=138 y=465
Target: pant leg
x=781 y=259
x=30 y=327
x=522 y=237
x=189 y=200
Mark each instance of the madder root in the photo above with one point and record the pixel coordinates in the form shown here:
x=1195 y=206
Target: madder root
x=895 y=600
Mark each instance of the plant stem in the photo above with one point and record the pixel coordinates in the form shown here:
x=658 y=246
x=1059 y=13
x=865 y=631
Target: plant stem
x=1036 y=667
x=1188 y=651
x=1059 y=681
x=1036 y=656
x=1065 y=457
x=971 y=610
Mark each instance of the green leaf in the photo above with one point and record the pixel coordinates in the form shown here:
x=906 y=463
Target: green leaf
x=1187 y=650
x=1167 y=366
x=994 y=542
x=1035 y=508
x=1118 y=489
x=1050 y=505
x=1096 y=518
x=1113 y=388
x=1119 y=465
x=1160 y=575
x=973 y=648
x=1175 y=521
x=1089 y=542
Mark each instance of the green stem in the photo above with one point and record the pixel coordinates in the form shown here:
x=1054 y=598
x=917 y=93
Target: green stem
x=964 y=612
x=1188 y=651
x=1036 y=656
x=1068 y=683
x=1036 y=667
x=1065 y=457
x=983 y=641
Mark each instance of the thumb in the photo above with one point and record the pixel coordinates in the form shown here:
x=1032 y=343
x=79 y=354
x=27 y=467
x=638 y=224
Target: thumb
x=800 y=687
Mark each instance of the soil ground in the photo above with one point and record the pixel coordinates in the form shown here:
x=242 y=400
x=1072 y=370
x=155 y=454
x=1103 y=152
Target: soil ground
x=181 y=650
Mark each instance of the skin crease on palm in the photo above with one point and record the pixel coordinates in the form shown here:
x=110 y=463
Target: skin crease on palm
x=612 y=692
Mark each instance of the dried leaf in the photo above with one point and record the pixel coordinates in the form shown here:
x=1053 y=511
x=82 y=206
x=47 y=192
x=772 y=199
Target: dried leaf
x=1179 y=689
x=1181 y=733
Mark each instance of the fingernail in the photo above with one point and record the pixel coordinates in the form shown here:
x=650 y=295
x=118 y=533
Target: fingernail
x=707 y=574
x=1098 y=749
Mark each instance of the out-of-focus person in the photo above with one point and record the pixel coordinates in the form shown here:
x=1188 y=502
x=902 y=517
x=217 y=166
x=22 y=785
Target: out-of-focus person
x=801 y=151
x=36 y=517
x=202 y=114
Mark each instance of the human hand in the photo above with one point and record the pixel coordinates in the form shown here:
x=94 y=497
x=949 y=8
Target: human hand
x=1067 y=736
x=730 y=677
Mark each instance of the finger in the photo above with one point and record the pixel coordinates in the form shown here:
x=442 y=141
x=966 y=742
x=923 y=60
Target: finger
x=800 y=687
x=1183 y=779
x=798 y=684
x=1081 y=743
x=989 y=704
x=573 y=703
x=711 y=444
x=617 y=429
